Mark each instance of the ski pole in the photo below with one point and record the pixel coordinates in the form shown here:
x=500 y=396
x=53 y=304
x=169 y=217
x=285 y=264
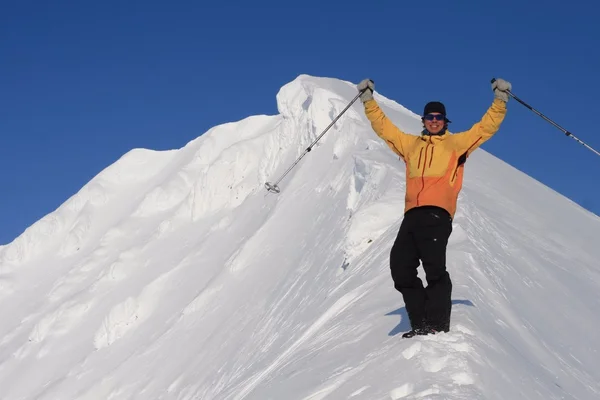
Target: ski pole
x=566 y=132
x=272 y=187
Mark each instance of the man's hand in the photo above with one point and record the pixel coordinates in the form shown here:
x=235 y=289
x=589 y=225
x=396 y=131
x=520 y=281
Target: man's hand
x=500 y=87
x=369 y=85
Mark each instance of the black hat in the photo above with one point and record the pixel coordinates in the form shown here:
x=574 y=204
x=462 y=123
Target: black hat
x=435 y=106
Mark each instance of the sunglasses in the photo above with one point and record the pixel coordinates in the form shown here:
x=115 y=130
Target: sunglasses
x=437 y=117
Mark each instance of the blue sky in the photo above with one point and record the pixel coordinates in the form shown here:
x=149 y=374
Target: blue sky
x=82 y=83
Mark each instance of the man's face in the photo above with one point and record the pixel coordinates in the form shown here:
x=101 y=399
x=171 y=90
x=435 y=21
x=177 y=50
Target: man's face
x=434 y=122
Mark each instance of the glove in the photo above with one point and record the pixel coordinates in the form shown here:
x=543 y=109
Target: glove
x=367 y=94
x=500 y=86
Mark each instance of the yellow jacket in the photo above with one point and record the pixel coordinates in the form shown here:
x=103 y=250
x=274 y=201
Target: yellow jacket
x=435 y=164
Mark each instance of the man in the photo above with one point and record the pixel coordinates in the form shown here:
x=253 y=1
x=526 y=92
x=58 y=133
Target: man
x=434 y=176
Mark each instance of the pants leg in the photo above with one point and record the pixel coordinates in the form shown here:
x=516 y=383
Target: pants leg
x=404 y=261
x=432 y=234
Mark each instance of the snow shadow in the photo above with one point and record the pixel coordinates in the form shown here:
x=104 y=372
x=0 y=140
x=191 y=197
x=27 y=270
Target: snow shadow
x=404 y=325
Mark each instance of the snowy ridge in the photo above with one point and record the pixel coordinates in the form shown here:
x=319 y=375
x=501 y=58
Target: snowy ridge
x=175 y=275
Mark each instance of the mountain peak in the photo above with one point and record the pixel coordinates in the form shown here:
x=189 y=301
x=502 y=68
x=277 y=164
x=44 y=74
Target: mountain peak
x=176 y=275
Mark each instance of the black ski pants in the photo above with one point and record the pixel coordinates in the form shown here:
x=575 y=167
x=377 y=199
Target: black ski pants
x=423 y=237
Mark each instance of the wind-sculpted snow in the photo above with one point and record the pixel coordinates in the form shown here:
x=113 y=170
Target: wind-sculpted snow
x=176 y=275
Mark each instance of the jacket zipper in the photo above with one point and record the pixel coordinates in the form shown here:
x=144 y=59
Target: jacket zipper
x=420 y=154
x=423 y=174
x=431 y=159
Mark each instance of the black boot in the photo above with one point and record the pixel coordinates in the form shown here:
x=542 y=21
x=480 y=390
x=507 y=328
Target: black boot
x=418 y=328
x=418 y=331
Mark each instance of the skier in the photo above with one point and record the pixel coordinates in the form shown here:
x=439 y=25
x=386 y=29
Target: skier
x=434 y=176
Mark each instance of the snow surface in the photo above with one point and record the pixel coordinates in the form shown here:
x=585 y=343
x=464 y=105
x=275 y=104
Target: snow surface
x=176 y=275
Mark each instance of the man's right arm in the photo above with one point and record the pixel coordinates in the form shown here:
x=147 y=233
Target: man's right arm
x=397 y=140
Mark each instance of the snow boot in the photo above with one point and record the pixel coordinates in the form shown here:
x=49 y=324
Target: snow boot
x=421 y=328
x=427 y=329
x=418 y=331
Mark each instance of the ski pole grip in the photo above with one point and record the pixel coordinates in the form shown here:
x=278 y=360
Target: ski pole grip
x=365 y=89
x=493 y=80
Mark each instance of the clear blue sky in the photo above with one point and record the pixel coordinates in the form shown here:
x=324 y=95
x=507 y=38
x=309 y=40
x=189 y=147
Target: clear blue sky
x=82 y=83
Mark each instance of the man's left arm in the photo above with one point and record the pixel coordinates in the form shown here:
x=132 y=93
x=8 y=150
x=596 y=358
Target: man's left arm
x=466 y=142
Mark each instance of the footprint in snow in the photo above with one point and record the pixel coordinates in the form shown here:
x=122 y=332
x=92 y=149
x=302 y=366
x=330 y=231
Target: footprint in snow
x=446 y=351
x=428 y=392
x=435 y=364
x=412 y=350
x=402 y=391
x=463 y=378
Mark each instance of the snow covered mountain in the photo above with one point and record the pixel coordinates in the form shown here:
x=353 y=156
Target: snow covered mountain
x=176 y=275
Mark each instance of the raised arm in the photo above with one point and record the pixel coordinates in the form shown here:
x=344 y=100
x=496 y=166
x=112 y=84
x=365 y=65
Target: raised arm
x=467 y=141
x=396 y=139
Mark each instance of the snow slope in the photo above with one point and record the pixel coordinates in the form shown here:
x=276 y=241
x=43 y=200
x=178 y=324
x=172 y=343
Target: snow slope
x=176 y=275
